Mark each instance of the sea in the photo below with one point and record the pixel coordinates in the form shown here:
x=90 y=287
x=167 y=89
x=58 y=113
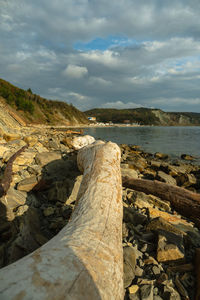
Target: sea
x=171 y=140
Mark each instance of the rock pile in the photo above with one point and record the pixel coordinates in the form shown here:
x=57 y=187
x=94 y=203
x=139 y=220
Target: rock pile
x=159 y=244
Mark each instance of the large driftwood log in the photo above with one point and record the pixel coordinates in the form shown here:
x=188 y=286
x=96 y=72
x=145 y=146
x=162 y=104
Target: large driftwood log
x=84 y=261
x=185 y=202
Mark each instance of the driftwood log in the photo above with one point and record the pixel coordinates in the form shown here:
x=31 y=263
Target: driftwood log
x=185 y=202
x=7 y=176
x=84 y=261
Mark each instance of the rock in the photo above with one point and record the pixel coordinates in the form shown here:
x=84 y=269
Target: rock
x=171 y=218
x=150 y=260
x=137 y=163
x=129 y=265
x=156 y=270
x=138 y=271
x=43 y=159
x=24 y=159
x=129 y=173
x=146 y=292
x=187 y=157
x=27 y=184
x=31 y=140
x=175 y=170
x=133 y=289
x=170 y=293
x=186 y=180
x=170 y=247
x=132 y=216
x=59 y=191
x=161 y=155
x=11 y=137
x=160 y=223
x=162 y=176
x=134 y=292
x=3 y=149
x=12 y=200
x=48 y=211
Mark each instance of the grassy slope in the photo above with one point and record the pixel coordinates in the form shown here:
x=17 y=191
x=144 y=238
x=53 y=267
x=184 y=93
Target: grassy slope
x=35 y=109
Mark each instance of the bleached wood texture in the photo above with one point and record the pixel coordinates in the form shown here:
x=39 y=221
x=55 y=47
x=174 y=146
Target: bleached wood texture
x=84 y=261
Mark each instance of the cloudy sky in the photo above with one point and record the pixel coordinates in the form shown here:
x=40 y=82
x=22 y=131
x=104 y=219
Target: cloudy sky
x=100 y=53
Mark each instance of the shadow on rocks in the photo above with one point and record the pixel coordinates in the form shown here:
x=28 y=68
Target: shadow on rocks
x=29 y=219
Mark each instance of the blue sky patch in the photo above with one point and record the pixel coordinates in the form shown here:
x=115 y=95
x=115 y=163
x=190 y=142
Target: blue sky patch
x=104 y=44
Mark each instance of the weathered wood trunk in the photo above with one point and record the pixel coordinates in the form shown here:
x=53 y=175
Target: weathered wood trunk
x=84 y=261
x=185 y=202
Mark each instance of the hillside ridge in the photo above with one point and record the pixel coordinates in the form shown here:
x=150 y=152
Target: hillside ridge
x=145 y=116
x=27 y=108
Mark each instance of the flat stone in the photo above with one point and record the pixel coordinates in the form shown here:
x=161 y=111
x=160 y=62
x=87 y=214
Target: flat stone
x=129 y=173
x=160 y=223
x=170 y=247
x=11 y=136
x=162 y=176
x=171 y=218
x=74 y=193
x=27 y=184
x=47 y=157
x=156 y=270
x=186 y=180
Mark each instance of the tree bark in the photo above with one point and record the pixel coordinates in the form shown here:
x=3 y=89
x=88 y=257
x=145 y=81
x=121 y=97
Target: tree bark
x=185 y=202
x=85 y=260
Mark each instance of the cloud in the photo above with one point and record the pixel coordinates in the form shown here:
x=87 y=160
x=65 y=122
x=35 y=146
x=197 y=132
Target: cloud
x=145 y=53
x=120 y=105
x=74 y=71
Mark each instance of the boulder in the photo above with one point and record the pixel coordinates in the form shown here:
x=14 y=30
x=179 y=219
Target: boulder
x=187 y=157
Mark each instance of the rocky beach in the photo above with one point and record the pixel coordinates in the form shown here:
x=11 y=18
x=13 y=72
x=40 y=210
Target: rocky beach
x=39 y=186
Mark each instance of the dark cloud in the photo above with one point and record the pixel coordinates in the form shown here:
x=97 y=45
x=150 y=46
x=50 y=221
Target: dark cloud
x=155 y=62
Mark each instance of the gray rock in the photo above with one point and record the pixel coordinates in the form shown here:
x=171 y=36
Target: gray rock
x=146 y=292
x=138 y=271
x=47 y=157
x=129 y=265
x=156 y=270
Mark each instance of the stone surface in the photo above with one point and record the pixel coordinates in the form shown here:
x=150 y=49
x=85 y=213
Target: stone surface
x=170 y=247
x=43 y=159
x=129 y=173
x=27 y=184
x=146 y=292
x=129 y=265
x=162 y=176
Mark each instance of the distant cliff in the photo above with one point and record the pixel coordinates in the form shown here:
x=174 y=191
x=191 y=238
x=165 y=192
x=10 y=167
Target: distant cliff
x=145 y=116
x=27 y=108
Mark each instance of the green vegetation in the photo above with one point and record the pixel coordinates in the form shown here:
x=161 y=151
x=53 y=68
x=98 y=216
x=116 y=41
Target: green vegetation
x=35 y=109
x=16 y=97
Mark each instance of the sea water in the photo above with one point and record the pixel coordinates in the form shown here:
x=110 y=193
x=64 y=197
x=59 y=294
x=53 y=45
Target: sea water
x=170 y=140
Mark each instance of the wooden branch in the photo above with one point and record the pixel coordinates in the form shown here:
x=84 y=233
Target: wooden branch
x=7 y=176
x=185 y=202
x=84 y=261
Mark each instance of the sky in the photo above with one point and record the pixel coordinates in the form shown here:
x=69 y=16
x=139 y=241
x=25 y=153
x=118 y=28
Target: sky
x=105 y=54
